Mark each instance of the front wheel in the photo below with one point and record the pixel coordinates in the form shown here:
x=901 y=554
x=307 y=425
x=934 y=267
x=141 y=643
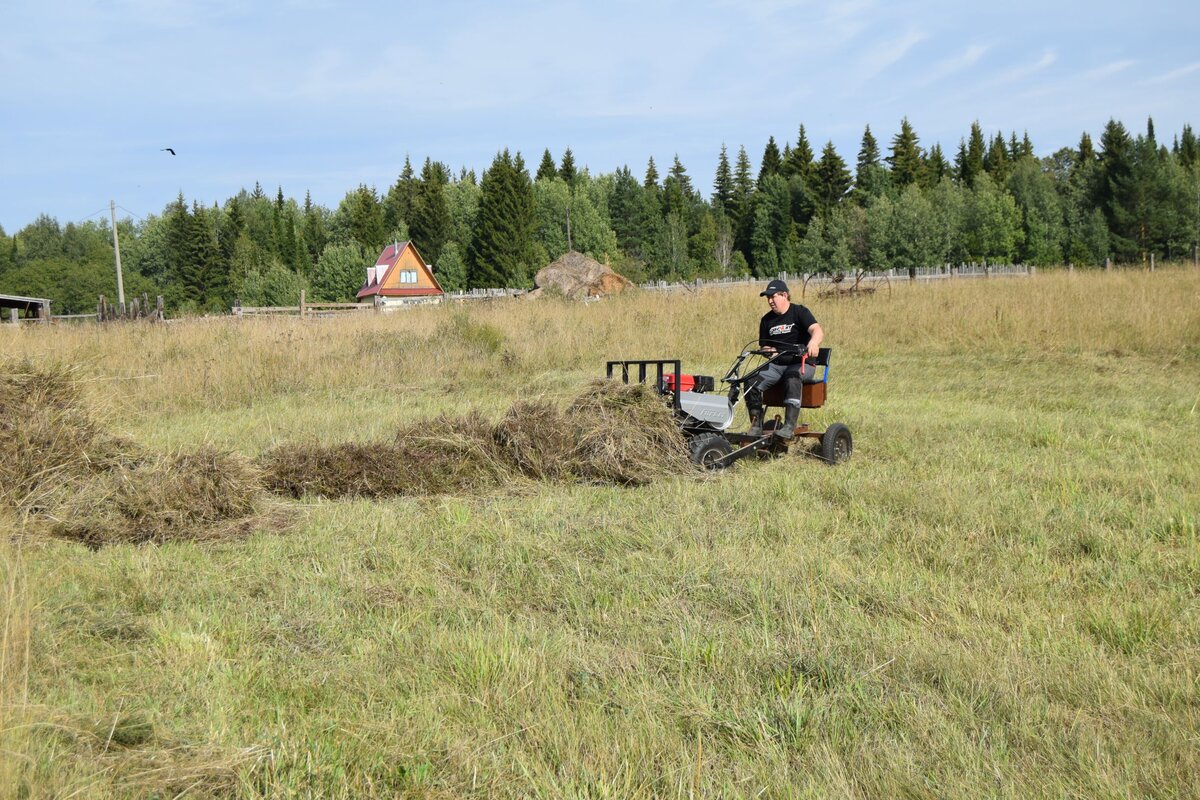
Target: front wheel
x=837 y=444
x=709 y=450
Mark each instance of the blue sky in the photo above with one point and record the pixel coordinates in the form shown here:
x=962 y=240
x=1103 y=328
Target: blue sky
x=321 y=96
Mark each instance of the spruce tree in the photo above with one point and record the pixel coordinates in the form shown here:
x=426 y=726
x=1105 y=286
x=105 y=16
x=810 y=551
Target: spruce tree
x=870 y=178
x=996 y=162
x=1189 y=151
x=831 y=180
x=567 y=170
x=313 y=230
x=651 y=181
x=624 y=207
x=284 y=233
x=364 y=216
x=800 y=158
x=547 y=169
x=397 y=206
x=430 y=226
x=501 y=252
x=723 y=182
x=231 y=228
x=678 y=194
x=741 y=212
x=771 y=162
x=1114 y=188
x=971 y=164
x=905 y=159
x=1087 y=153
x=935 y=167
x=960 y=162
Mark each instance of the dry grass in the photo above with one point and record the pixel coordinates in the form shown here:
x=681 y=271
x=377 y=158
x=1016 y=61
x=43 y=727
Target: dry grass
x=187 y=495
x=49 y=438
x=611 y=433
x=61 y=470
x=15 y=641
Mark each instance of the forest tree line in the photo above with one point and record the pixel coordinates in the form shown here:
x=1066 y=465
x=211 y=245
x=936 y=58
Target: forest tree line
x=899 y=206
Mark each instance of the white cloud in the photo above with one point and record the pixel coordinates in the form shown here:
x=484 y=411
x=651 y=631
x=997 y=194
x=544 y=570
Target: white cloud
x=952 y=66
x=885 y=54
x=1024 y=71
x=1108 y=69
x=1175 y=74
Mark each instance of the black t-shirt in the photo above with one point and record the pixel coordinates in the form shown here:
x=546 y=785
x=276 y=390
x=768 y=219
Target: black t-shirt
x=787 y=331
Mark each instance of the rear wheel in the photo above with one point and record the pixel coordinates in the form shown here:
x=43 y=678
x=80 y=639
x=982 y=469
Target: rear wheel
x=708 y=450
x=837 y=444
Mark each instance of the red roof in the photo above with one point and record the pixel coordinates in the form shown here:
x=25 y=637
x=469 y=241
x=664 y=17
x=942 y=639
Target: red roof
x=391 y=253
x=383 y=267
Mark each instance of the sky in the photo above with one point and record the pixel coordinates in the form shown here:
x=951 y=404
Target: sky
x=320 y=96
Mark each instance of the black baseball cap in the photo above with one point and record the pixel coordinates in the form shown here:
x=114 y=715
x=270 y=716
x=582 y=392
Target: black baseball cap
x=774 y=287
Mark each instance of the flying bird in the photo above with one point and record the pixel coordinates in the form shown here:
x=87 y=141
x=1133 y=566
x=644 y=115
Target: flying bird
x=170 y=150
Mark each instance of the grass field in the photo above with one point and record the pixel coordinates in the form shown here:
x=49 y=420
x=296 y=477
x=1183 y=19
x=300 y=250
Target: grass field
x=996 y=597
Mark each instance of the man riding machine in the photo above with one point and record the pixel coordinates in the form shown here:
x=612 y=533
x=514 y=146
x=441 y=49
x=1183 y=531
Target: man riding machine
x=787 y=333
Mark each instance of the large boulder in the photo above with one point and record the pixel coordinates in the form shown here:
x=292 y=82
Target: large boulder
x=578 y=277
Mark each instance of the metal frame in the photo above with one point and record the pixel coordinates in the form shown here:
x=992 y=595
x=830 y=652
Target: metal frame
x=642 y=365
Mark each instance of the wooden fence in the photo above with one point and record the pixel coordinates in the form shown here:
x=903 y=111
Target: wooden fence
x=303 y=309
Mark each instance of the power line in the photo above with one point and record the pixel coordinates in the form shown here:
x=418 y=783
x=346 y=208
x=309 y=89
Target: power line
x=127 y=211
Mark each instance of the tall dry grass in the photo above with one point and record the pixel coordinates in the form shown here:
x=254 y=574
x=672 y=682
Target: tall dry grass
x=15 y=642
x=277 y=377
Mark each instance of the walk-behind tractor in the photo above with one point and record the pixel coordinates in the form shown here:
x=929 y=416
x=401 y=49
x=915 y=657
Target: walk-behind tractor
x=705 y=416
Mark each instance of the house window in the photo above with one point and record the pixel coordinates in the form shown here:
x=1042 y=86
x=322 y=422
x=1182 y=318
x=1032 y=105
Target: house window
x=408 y=276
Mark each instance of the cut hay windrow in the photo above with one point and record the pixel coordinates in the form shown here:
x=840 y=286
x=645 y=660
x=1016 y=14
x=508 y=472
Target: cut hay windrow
x=48 y=437
x=179 y=496
x=60 y=470
x=611 y=434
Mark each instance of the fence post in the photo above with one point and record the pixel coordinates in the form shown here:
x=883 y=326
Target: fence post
x=301 y=303
x=158 y=309
x=1107 y=264
x=46 y=312
x=12 y=316
x=1152 y=262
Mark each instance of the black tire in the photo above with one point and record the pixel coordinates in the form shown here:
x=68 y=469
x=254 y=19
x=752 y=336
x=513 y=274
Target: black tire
x=708 y=449
x=837 y=444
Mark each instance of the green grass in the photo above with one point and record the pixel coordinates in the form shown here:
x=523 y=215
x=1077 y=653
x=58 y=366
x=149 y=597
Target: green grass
x=997 y=596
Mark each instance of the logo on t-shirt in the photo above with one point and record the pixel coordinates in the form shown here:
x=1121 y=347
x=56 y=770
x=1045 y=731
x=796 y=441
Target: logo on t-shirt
x=781 y=329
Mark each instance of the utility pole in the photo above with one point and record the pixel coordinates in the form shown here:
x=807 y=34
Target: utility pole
x=112 y=205
x=569 y=227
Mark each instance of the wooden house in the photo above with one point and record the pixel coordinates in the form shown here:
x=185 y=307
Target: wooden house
x=400 y=276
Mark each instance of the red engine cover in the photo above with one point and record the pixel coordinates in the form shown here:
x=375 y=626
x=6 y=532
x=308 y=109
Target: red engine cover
x=686 y=382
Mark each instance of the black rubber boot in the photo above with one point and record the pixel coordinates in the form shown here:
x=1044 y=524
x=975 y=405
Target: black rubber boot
x=788 y=428
x=756 y=422
x=755 y=409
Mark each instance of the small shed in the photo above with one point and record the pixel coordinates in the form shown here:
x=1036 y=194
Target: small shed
x=14 y=307
x=400 y=276
x=579 y=277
